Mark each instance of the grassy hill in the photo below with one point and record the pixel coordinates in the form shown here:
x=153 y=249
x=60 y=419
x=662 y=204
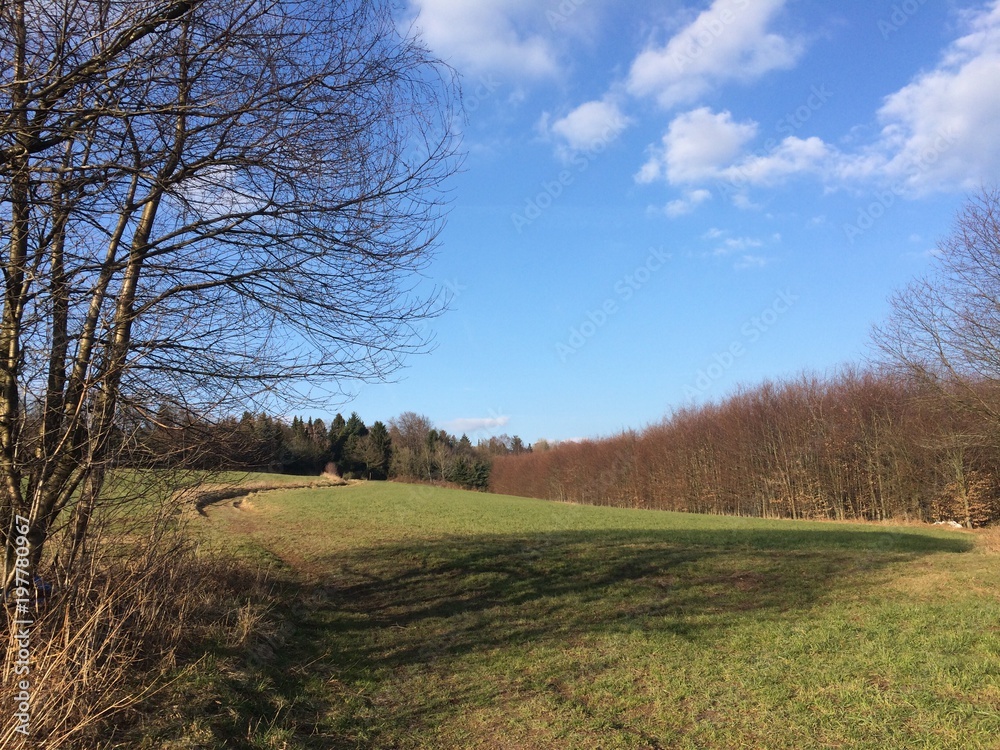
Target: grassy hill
x=413 y=617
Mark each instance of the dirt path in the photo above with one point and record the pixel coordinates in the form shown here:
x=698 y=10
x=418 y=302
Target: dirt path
x=210 y=494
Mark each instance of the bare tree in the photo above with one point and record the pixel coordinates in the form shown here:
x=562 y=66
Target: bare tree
x=945 y=328
x=202 y=202
x=410 y=436
x=945 y=331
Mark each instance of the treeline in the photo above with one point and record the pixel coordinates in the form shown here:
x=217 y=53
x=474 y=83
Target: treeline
x=408 y=448
x=423 y=454
x=858 y=445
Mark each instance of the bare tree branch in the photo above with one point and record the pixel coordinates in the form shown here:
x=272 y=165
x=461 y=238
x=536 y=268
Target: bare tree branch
x=201 y=202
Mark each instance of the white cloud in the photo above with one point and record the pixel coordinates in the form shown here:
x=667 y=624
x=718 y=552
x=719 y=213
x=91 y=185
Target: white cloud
x=737 y=245
x=589 y=126
x=475 y=424
x=751 y=261
x=791 y=157
x=730 y=41
x=696 y=147
x=940 y=131
x=702 y=146
x=739 y=249
x=486 y=35
x=214 y=192
x=742 y=201
x=691 y=200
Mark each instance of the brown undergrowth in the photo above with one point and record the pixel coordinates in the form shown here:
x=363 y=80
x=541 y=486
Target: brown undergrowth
x=138 y=608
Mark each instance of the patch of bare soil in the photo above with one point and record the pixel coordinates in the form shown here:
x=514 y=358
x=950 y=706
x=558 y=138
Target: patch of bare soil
x=210 y=494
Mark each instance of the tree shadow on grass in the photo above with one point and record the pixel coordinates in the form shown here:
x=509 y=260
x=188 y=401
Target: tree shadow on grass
x=411 y=617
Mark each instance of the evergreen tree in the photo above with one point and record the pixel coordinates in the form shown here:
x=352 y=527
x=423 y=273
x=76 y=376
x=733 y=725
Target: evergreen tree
x=337 y=438
x=377 y=451
x=352 y=462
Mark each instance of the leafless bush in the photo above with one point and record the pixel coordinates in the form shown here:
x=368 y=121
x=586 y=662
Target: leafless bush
x=133 y=616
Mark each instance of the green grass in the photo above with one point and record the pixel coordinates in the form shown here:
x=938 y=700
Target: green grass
x=412 y=617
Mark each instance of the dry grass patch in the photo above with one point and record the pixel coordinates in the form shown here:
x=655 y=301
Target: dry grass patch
x=139 y=615
x=989 y=540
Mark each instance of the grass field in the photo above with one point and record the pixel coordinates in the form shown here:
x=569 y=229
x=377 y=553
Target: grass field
x=412 y=617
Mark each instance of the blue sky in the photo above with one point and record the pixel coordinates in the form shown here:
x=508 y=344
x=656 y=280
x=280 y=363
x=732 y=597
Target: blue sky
x=664 y=200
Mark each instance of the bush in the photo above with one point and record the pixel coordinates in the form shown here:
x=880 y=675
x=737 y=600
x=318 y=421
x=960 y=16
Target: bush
x=109 y=636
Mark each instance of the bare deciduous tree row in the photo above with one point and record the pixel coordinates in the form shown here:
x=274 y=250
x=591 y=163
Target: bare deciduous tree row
x=860 y=445
x=918 y=438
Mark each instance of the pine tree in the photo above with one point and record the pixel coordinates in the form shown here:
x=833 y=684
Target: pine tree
x=378 y=451
x=337 y=438
x=352 y=460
